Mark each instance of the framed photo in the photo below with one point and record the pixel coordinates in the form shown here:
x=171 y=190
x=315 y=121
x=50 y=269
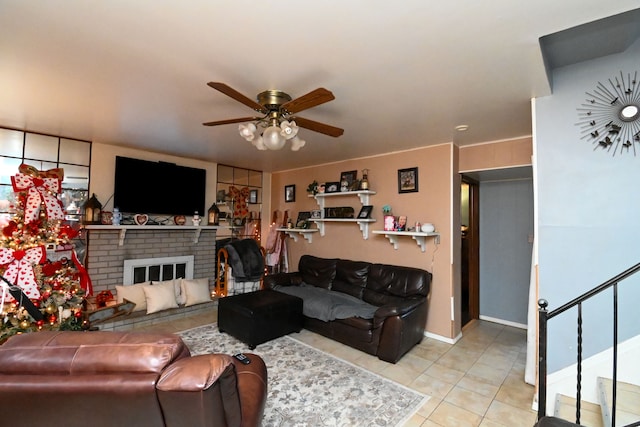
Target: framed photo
x=350 y=176
x=316 y=214
x=290 y=193
x=331 y=187
x=408 y=180
x=365 y=212
x=303 y=219
x=253 y=197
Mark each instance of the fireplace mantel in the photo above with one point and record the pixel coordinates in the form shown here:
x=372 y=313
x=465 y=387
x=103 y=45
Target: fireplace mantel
x=122 y=229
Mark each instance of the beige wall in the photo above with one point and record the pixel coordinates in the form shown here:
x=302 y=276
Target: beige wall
x=432 y=203
x=496 y=155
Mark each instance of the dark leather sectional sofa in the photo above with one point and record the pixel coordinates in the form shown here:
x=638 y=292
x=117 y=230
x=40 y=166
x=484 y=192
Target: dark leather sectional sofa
x=399 y=294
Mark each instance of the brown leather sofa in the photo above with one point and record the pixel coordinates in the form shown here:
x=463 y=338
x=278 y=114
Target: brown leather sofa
x=399 y=293
x=125 y=379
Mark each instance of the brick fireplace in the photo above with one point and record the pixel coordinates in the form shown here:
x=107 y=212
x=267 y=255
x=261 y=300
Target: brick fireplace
x=106 y=256
x=108 y=248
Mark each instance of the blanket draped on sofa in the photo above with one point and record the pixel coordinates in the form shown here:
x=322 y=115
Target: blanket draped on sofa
x=328 y=305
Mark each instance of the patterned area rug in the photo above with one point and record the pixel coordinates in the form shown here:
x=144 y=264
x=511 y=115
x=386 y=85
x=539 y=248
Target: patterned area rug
x=308 y=387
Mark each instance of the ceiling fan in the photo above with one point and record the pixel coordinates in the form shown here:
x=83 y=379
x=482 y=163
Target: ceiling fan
x=277 y=109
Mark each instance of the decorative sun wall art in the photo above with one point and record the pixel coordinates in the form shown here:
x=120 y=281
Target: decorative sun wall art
x=610 y=117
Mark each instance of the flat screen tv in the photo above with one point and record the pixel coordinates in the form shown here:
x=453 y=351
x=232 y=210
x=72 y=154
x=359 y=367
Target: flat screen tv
x=160 y=188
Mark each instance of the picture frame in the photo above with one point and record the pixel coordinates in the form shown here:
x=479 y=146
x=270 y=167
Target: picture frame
x=408 y=180
x=290 y=193
x=316 y=214
x=303 y=220
x=350 y=176
x=365 y=212
x=253 y=197
x=331 y=187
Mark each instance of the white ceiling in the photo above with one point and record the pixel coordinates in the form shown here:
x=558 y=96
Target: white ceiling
x=404 y=73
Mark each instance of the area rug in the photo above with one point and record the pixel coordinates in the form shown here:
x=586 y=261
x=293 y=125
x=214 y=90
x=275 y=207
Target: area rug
x=309 y=387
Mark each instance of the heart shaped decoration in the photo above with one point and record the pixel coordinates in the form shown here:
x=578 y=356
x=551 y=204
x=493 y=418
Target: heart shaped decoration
x=141 y=219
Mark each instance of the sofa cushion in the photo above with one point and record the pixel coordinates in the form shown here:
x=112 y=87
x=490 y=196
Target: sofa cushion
x=316 y=271
x=398 y=281
x=351 y=277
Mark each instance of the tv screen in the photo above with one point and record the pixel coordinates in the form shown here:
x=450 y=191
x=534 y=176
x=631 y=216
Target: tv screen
x=160 y=188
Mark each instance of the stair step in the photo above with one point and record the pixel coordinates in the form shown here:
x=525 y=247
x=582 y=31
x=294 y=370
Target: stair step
x=627 y=402
x=590 y=415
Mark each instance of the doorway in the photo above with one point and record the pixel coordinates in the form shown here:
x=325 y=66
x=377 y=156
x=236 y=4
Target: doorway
x=470 y=249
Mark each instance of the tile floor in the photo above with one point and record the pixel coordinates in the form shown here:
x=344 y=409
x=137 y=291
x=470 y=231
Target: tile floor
x=476 y=382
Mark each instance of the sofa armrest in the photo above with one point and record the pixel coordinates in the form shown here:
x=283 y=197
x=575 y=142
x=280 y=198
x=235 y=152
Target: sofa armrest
x=398 y=309
x=402 y=328
x=239 y=390
x=252 y=386
x=195 y=373
x=282 y=279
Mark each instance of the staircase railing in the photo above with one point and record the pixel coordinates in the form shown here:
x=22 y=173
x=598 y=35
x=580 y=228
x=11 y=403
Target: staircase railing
x=544 y=316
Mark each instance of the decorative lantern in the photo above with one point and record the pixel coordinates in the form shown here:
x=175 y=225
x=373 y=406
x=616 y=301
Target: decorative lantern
x=364 y=184
x=214 y=213
x=92 y=211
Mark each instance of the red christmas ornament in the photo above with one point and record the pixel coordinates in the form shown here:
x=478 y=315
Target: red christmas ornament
x=10 y=228
x=78 y=314
x=40 y=323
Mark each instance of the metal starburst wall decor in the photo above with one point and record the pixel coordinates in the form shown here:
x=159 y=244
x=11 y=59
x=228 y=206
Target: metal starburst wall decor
x=610 y=117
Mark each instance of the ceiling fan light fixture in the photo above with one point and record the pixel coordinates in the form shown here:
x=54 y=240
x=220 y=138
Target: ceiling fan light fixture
x=297 y=143
x=289 y=129
x=259 y=143
x=247 y=131
x=272 y=139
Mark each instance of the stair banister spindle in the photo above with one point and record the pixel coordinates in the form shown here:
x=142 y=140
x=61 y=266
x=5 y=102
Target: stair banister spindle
x=542 y=358
x=579 y=365
x=615 y=354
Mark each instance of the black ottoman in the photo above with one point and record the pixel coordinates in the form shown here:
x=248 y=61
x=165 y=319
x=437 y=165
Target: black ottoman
x=260 y=316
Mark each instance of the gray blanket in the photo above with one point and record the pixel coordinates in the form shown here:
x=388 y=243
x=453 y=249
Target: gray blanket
x=328 y=305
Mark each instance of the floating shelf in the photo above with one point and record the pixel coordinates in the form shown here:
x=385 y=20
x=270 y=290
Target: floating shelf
x=307 y=233
x=363 y=223
x=362 y=194
x=123 y=229
x=419 y=236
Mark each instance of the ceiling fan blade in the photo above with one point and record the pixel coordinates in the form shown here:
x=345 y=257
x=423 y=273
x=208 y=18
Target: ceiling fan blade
x=228 y=121
x=237 y=96
x=318 y=127
x=313 y=98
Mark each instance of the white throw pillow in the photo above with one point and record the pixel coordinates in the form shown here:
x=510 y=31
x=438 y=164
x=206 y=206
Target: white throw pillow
x=196 y=291
x=160 y=296
x=133 y=293
x=176 y=287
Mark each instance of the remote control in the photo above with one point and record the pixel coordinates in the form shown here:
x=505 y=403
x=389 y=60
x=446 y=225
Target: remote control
x=242 y=358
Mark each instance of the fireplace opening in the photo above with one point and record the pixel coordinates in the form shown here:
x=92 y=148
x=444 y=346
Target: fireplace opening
x=157 y=269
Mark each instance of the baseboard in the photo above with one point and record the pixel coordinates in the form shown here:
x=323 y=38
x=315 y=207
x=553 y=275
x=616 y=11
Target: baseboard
x=503 y=322
x=441 y=338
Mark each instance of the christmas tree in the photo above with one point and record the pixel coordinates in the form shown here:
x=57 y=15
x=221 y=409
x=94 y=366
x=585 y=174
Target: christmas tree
x=43 y=283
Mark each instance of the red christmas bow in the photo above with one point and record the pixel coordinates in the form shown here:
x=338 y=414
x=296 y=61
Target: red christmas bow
x=39 y=190
x=19 y=269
